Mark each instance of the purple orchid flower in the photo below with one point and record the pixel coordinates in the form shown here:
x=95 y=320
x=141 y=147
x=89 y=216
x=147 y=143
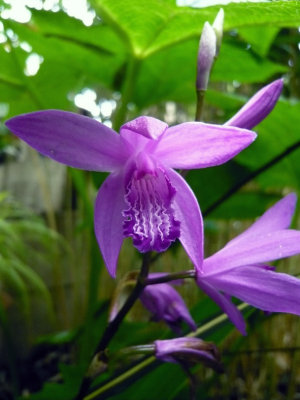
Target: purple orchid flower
x=241 y=268
x=187 y=350
x=166 y=304
x=143 y=197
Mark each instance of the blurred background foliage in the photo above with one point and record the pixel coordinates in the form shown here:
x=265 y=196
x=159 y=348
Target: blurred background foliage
x=115 y=60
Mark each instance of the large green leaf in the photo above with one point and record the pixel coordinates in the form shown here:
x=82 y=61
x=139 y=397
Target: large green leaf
x=68 y=65
x=235 y=62
x=97 y=37
x=253 y=35
x=161 y=24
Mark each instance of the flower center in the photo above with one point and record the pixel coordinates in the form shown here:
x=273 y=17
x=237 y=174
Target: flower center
x=150 y=219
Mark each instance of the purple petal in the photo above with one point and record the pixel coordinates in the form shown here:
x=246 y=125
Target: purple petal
x=108 y=220
x=224 y=303
x=151 y=128
x=71 y=139
x=277 y=217
x=253 y=250
x=258 y=107
x=262 y=288
x=188 y=213
x=198 y=145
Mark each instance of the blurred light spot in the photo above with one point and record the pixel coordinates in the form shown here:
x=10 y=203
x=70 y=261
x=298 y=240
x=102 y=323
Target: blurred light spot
x=87 y=100
x=4 y=108
x=107 y=123
x=74 y=8
x=170 y=114
x=51 y=5
x=79 y=9
x=17 y=12
x=107 y=107
x=207 y=3
x=32 y=64
x=26 y=47
x=2 y=38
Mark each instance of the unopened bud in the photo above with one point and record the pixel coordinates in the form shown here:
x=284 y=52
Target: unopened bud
x=206 y=55
x=218 y=28
x=188 y=350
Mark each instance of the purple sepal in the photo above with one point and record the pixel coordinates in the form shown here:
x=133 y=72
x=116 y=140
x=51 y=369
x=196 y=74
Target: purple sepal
x=258 y=107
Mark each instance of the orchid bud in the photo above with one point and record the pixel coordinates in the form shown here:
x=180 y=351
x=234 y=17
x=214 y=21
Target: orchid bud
x=218 y=28
x=206 y=55
x=188 y=350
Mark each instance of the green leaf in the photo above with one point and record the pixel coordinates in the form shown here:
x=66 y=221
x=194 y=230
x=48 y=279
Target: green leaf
x=254 y=34
x=146 y=30
x=97 y=37
x=275 y=134
x=239 y=64
x=68 y=64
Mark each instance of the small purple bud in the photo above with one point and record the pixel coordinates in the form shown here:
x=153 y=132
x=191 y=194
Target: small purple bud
x=206 y=55
x=218 y=28
x=188 y=350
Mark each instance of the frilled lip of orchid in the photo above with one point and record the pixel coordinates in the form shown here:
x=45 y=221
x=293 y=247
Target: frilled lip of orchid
x=155 y=150
x=241 y=269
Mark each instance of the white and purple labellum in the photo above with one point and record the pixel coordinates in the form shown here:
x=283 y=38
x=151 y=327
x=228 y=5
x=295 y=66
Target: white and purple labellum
x=150 y=219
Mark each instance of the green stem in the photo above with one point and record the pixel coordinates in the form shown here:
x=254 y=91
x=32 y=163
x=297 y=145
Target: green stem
x=199 y=105
x=127 y=92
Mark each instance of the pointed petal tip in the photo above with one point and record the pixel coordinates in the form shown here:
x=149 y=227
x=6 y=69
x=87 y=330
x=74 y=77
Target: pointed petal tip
x=258 y=107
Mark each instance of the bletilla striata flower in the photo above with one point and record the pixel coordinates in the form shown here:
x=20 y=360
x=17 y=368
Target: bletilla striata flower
x=166 y=304
x=143 y=197
x=241 y=268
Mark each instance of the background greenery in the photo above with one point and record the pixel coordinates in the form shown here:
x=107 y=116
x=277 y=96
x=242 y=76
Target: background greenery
x=139 y=57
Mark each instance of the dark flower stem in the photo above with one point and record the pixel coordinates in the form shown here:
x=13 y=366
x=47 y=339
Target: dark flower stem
x=171 y=277
x=250 y=177
x=113 y=326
